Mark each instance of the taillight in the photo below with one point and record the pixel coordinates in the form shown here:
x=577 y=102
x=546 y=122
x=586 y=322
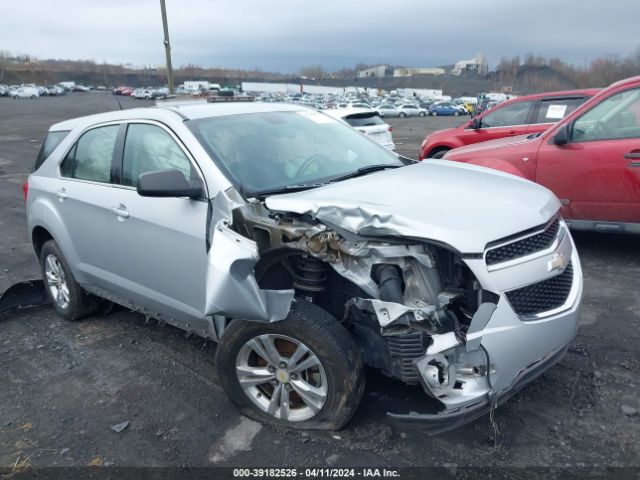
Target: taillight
x=390 y=129
x=25 y=190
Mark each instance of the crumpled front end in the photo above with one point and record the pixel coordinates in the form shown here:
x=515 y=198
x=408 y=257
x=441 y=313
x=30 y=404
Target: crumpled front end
x=537 y=279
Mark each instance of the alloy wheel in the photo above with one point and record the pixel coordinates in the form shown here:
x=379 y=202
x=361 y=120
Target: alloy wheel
x=56 y=281
x=282 y=377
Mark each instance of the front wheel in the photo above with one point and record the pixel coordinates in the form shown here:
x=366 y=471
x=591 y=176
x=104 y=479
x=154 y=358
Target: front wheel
x=456 y=113
x=435 y=114
x=402 y=115
x=302 y=372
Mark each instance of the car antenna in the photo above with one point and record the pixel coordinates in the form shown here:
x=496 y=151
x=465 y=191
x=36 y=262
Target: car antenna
x=117 y=100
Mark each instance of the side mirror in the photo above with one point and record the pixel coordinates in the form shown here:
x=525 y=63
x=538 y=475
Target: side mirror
x=168 y=183
x=476 y=123
x=562 y=135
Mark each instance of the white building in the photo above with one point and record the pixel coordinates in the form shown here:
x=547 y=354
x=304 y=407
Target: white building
x=378 y=72
x=477 y=64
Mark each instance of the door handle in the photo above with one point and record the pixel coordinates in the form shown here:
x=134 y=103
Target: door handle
x=61 y=194
x=633 y=164
x=120 y=211
x=631 y=155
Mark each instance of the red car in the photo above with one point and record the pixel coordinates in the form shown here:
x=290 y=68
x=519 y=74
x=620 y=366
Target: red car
x=519 y=116
x=590 y=159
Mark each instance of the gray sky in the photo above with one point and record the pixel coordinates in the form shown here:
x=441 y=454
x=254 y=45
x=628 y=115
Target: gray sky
x=284 y=35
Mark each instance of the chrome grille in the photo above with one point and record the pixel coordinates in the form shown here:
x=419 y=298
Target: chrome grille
x=524 y=246
x=542 y=296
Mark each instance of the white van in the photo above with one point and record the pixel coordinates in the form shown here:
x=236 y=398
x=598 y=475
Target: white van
x=25 y=92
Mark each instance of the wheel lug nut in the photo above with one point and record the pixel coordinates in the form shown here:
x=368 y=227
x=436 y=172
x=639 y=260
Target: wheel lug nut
x=282 y=365
x=294 y=376
x=271 y=369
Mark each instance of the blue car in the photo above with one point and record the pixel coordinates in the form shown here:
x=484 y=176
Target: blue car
x=445 y=108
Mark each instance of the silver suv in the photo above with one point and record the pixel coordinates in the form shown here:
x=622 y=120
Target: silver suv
x=305 y=249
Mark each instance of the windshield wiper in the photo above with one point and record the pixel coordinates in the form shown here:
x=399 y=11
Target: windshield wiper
x=363 y=171
x=285 y=189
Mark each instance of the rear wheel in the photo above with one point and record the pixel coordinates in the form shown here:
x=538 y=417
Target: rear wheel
x=434 y=113
x=70 y=300
x=302 y=372
x=421 y=114
x=456 y=113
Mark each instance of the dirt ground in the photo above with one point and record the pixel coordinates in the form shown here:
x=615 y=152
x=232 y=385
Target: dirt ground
x=64 y=384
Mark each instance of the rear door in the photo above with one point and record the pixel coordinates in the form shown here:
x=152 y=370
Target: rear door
x=596 y=174
x=508 y=120
x=82 y=196
x=158 y=244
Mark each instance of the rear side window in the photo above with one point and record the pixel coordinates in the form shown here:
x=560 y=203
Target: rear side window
x=511 y=114
x=50 y=143
x=149 y=148
x=364 y=120
x=553 y=110
x=91 y=156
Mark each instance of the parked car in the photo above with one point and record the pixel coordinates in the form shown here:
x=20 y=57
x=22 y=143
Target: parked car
x=279 y=232
x=528 y=114
x=367 y=121
x=590 y=159
x=143 y=93
x=25 y=92
x=4 y=90
x=402 y=110
x=445 y=108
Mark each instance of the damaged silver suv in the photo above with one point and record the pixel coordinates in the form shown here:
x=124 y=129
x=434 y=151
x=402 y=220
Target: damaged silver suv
x=307 y=250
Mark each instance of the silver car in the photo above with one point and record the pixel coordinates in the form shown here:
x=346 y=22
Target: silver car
x=307 y=250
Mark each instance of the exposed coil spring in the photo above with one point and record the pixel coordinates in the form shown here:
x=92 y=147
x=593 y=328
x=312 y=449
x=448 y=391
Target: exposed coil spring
x=310 y=274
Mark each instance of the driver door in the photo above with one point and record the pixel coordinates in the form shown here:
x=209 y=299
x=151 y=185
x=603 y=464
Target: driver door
x=596 y=175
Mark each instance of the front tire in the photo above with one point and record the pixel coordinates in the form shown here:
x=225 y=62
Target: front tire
x=402 y=115
x=69 y=299
x=302 y=372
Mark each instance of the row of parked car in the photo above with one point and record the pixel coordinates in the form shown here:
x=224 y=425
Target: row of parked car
x=31 y=91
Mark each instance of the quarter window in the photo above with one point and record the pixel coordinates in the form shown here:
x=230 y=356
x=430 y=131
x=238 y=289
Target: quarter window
x=149 y=148
x=512 y=114
x=90 y=158
x=617 y=117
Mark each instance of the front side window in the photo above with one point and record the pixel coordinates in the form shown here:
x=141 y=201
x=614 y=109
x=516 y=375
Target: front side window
x=149 y=148
x=617 y=117
x=553 y=110
x=90 y=158
x=266 y=151
x=512 y=114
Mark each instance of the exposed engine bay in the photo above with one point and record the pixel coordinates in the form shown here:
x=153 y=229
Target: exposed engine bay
x=407 y=303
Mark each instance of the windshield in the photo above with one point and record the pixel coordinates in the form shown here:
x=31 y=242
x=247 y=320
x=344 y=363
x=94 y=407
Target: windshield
x=262 y=152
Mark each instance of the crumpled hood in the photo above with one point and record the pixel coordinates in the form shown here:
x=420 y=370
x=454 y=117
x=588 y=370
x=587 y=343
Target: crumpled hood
x=483 y=147
x=462 y=205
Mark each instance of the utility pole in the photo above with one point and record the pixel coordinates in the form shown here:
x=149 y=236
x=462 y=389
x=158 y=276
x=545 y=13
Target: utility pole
x=167 y=46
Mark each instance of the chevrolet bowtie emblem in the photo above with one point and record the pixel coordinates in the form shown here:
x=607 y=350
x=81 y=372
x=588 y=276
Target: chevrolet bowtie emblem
x=558 y=262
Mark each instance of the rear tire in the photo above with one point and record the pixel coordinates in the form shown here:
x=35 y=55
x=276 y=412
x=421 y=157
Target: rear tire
x=69 y=299
x=334 y=375
x=434 y=114
x=421 y=114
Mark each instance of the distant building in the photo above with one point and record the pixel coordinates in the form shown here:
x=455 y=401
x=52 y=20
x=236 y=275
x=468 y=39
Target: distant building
x=378 y=72
x=409 y=72
x=477 y=64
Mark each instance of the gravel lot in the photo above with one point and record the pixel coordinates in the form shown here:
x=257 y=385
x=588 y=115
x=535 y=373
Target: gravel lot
x=65 y=384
